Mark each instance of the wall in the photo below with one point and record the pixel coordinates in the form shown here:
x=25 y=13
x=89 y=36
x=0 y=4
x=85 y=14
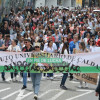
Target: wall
x=39 y=3
x=49 y=3
x=66 y=3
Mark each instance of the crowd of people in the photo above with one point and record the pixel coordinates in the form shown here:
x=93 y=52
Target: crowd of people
x=52 y=30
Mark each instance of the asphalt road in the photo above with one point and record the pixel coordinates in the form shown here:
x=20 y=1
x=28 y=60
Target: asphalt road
x=49 y=90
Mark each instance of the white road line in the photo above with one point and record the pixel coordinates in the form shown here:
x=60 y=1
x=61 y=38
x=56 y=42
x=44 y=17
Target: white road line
x=74 y=82
x=19 y=97
x=57 y=95
x=4 y=89
x=27 y=95
x=10 y=95
x=82 y=90
x=48 y=92
x=90 y=91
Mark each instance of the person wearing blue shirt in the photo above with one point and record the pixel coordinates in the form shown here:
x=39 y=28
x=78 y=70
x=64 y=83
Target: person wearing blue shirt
x=74 y=44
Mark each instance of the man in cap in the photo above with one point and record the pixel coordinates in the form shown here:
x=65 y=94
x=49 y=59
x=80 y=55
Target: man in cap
x=28 y=48
x=88 y=31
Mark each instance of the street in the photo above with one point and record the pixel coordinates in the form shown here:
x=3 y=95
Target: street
x=49 y=90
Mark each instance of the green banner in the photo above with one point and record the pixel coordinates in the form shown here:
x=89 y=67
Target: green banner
x=44 y=60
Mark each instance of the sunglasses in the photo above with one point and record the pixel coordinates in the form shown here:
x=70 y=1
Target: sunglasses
x=37 y=47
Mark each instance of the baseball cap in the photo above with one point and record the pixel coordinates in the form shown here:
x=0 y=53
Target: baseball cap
x=89 y=28
x=37 y=44
x=26 y=39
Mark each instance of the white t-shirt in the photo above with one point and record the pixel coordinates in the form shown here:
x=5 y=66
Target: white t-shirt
x=61 y=46
x=93 y=48
x=65 y=52
x=15 y=49
x=48 y=49
x=53 y=46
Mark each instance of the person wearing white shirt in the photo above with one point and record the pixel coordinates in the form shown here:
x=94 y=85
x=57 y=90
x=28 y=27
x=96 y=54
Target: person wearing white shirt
x=50 y=48
x=14 y=48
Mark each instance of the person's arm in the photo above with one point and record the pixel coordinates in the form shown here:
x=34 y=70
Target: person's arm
x=74 y=50
x=18 y=49
x=3 y=47
x=44 y=50
x=98 y=89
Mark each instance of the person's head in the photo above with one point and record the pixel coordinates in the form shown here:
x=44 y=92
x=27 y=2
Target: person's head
x=27 y=42
x=25 y=35
x=37 y=46
x=93 y=36
x=91 y=42
x=88 y=29
x=88 y=35
x=64 y=39
x=56 y=32
x=69 y=36
x=14 y=42
x=99 y=33
x=50 y=43
x=7 y=37
x=74 y=31
x=65 y=46
x=5 y=25
x=76 y=38
x=82 y=46
x=75 y=25
x=6 y=15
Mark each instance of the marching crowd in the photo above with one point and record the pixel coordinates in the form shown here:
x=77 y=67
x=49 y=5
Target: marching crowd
x=52 y=30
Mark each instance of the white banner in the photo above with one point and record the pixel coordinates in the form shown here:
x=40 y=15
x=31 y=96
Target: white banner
x=81 y=59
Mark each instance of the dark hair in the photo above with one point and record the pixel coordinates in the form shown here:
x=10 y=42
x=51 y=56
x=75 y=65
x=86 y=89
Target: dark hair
x=91 y=40
x=65 y=46
x=49 y=42
x=63 y=39
x=83 y=45
x=16 y=41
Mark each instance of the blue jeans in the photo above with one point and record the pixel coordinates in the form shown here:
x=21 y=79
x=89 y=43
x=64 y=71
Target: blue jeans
x=25 y=79
x=65 y=75
x=36 y=78
x=3 y=75
x=13 y=74
x=49 y=74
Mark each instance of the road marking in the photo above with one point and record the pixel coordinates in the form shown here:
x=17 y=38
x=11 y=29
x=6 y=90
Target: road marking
x=57 y=95
x=89 y=91
x=21 y=96
x=27 y=95
x=4 y=89
x=48 y=92
x=10 y=95
x=74 y=82
x=82 y=90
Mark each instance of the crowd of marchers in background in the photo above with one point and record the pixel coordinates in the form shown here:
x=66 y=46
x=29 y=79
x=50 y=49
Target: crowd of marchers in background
x=51 y=30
